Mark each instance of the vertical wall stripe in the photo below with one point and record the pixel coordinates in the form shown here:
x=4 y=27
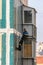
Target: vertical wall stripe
x=8 y=33
x=0 y=23
x=11 y=49
x=4 y=49
x=8 y=13
x=3 y=22
x=7 y=48
x=0 y=12
x=11 y=13
x=0 y=48
x=0 y=9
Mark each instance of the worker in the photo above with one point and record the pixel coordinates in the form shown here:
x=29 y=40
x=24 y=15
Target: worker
x=23 y=38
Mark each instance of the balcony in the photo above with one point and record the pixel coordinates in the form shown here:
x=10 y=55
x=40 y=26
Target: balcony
x=29 y=15
x=31 y=30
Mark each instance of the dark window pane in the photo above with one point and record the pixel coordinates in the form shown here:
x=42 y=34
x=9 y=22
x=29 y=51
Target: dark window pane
x=27 y=17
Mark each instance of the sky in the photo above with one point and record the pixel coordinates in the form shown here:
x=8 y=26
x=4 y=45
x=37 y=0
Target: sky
x=38 y=5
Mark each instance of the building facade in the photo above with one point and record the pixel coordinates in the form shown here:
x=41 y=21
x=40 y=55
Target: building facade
x=24 y=2
x=12 y=22
x=6 y=32
x=25 y=18
x=39 y=53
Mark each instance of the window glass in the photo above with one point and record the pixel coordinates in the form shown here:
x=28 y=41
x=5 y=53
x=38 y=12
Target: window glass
x=27 y=17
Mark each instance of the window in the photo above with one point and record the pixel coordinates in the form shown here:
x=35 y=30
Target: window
x=27 y=17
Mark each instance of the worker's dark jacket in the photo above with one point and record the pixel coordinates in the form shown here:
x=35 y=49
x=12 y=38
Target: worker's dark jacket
x=25 y=34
